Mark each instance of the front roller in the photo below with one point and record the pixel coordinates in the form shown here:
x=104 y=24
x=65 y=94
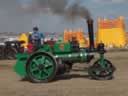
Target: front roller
x=102 y=70
x=41 y=67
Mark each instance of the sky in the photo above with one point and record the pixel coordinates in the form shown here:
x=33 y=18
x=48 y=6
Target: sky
x=14 y=19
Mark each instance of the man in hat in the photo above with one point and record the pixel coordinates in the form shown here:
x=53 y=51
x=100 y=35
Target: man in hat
x=37 y=37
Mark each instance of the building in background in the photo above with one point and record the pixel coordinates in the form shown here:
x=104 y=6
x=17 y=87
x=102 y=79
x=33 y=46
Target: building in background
x=111 y=32
x=78 y=34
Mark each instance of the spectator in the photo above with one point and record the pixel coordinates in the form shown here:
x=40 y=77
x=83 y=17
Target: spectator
x=37 y=37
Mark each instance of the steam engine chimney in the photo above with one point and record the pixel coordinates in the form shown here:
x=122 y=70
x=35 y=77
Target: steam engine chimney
x=91 y=34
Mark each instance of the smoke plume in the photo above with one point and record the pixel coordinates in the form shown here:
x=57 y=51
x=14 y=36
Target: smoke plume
x=62 y=7
x=20 y=17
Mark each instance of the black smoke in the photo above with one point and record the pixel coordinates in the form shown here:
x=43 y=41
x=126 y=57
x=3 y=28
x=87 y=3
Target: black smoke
x=15 y=17
x=62 y=7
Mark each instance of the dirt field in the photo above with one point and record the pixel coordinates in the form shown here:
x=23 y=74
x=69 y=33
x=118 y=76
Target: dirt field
x=75 y=84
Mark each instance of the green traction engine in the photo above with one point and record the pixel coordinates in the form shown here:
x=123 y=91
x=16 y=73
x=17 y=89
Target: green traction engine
x=48 y=61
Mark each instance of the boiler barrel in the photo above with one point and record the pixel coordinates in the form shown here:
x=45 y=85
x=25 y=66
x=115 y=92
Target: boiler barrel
x=73 y=57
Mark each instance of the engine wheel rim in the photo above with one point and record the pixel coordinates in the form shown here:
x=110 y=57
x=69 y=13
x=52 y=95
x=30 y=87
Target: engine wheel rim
x=99 y=72
x=42 y=67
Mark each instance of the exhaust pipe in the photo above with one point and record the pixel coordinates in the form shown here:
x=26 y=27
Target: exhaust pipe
x=91 y=34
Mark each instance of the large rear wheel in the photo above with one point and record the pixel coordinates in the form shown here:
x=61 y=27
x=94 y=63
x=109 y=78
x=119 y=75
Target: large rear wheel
x=41 y=67
x=98 y=72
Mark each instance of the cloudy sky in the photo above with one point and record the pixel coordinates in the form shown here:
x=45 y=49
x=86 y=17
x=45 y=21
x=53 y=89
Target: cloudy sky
x=14 y=19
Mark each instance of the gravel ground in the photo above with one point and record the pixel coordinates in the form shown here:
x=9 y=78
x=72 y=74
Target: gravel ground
x=77 y=83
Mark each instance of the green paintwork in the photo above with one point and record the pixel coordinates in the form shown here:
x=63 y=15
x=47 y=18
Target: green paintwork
x=62 y=48
x=45 y=48
x=45 y=62
x=56 y=52
x=106 y=66
x=20 y=64
x=74 y=57
x=102 y=60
